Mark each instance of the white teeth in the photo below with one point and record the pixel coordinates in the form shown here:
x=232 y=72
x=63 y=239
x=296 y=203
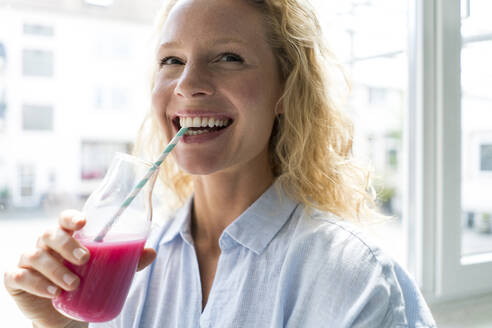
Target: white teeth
x=194 y=133
x=197 y=122
x=188 y=122
x=204 y=122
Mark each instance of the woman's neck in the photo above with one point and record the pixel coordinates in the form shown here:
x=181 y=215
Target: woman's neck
x=221 y=198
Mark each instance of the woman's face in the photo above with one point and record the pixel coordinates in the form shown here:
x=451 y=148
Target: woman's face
x=218 y=74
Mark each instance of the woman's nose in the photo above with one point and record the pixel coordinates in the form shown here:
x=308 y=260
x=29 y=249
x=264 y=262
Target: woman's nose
x=194 y=82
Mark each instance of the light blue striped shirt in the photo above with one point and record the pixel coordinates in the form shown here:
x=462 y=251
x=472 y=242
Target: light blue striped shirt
x=279 y=267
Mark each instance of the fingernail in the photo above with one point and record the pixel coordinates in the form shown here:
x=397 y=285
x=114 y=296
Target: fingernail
x=69 y=278
x=77 y=219
x=79 y=253
x=52 y=290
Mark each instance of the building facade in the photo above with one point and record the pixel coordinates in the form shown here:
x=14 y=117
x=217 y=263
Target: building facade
x=73 y=90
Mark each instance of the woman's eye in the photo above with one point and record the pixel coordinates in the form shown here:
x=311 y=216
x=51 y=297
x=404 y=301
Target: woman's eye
x=230 y=57
x=170 y=61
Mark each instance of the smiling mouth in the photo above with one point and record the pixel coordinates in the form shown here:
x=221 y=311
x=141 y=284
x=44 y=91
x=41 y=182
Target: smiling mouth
x=201 y=125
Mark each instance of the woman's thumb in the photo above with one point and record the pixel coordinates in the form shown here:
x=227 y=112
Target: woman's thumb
x=148 y=256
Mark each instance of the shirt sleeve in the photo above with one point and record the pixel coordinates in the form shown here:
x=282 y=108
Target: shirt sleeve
x=379 y=303
x=336 y=275
x=416 y=309
x=391 y=299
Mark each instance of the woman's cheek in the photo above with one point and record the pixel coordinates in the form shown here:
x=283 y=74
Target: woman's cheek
x=249 y=93
x=159 y=105
x=157 y=96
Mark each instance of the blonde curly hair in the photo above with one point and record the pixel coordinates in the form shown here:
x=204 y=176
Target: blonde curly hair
x=311 y=142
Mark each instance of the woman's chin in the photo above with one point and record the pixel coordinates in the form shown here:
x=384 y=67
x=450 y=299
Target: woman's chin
x=198 y=168
x=199 y=164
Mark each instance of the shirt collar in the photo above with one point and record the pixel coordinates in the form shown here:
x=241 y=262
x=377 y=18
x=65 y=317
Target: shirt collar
x=180 y=224
x=257 y=226
x=254 y=228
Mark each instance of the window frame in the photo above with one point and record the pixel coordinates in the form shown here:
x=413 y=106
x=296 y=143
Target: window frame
x=433 y=204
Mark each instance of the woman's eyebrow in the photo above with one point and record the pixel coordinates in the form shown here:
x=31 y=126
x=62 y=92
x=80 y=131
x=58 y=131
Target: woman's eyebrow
x=177 y=44
x=228 y=40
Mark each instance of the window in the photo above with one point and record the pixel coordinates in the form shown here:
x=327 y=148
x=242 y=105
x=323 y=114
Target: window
x=476 y=127
x=35 y=117
x=37 y=62
x=486 y=157
x=450 y=73
x=26 y=181
x=446 y=216
x=376 y=60
x=96 y=157
x=392 y=158
x=38 y=29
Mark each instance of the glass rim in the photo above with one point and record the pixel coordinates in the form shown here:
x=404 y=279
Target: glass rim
x=133 y=158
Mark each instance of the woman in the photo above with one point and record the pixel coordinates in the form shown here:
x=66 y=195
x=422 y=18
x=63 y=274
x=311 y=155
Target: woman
x=265 y=180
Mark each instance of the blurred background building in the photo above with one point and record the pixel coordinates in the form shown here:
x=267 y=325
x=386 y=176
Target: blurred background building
x=72 y=91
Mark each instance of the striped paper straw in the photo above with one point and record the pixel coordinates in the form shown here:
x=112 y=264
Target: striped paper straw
x=174 y=141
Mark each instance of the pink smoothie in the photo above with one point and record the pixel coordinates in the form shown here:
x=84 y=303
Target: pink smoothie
x=104 y=280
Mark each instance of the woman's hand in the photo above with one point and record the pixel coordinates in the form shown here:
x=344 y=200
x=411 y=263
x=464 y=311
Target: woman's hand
x=41 y=274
